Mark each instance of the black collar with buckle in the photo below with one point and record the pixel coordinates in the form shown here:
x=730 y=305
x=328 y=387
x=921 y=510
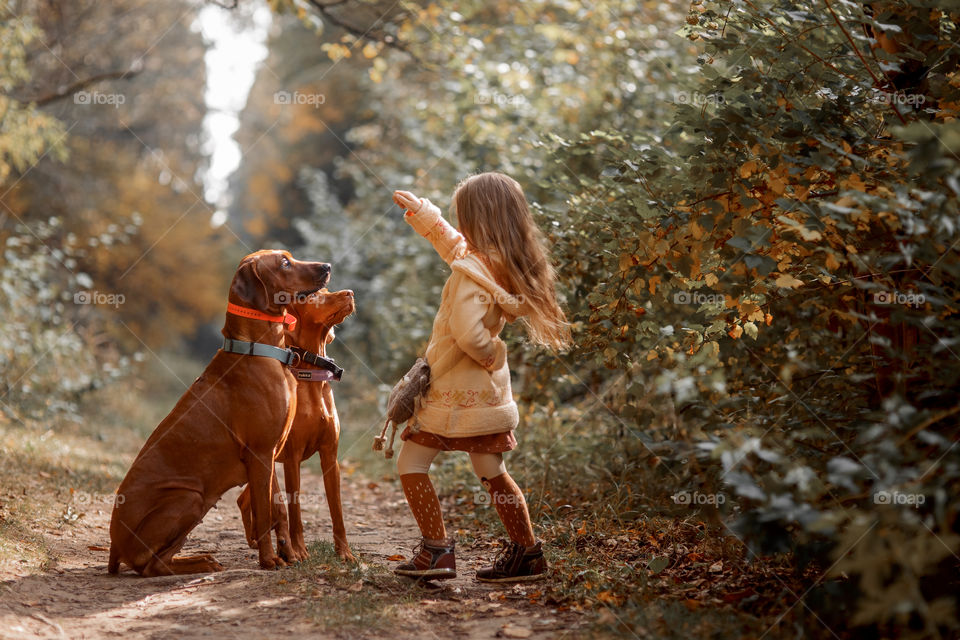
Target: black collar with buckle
x=328 y=364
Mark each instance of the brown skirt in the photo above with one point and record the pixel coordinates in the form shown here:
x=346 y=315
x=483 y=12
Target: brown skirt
x=489 y=443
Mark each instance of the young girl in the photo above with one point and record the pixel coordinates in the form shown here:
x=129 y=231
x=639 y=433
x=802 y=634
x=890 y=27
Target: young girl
x=500 y=273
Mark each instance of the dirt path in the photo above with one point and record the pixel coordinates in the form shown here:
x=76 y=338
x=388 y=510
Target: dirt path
x=76 y=598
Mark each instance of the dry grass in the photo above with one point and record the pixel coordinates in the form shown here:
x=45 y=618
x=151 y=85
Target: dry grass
x=54 y=469
x=369 y=598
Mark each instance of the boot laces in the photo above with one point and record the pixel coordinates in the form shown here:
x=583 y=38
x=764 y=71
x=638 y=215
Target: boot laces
x=507 y=554
x=417 y=550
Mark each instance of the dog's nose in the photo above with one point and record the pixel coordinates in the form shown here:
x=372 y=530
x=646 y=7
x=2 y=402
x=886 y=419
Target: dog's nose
x=323 y=271
x=348 y=292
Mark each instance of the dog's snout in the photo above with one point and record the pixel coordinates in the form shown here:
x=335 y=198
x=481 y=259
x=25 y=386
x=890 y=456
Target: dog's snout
x=321 y=273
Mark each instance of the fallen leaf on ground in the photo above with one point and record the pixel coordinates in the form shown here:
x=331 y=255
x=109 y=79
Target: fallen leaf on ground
x=513 y=631
x=94 y=547
x=738 y=595
x=658 y=564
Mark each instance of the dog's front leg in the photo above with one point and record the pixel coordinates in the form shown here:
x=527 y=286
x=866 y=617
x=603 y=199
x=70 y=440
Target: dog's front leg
x=260 y=479
x=281 y=524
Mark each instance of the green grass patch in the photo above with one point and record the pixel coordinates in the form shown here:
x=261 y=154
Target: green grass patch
x=368 y=597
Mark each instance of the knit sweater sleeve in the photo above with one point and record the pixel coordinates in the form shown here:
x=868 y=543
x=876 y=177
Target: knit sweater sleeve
x=428 y=222
x=469 y=307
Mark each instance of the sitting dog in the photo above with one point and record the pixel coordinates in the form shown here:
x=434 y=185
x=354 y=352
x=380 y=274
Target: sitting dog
x=225 y=431
x=316 y=426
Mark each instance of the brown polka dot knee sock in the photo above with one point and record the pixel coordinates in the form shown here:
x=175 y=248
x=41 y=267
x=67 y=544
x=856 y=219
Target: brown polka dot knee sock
x=425 y=505
x=511 y=507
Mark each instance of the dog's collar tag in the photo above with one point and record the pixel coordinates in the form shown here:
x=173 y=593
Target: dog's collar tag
x=313 y=375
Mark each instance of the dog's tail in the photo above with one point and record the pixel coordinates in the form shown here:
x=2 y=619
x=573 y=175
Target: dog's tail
x=113 y=565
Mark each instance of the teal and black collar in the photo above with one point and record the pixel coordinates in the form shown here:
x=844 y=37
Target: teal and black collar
x=293 y=356
x=286 y=356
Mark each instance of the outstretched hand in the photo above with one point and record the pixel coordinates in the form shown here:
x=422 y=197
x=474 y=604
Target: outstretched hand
x=406 y=200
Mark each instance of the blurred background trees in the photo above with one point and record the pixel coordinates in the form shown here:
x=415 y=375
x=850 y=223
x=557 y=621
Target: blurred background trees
x=102 y=108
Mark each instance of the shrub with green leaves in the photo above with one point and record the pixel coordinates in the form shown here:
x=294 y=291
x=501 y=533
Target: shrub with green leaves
x=782 y=263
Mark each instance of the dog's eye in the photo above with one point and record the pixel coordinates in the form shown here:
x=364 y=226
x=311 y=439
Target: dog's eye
x=284 y=263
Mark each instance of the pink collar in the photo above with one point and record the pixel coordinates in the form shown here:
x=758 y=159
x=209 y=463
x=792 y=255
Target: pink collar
x=312 y=375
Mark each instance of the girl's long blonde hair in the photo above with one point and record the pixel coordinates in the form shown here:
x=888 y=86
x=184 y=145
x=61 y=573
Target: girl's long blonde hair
x=496 y=221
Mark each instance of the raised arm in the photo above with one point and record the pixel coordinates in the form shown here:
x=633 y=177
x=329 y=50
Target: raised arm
x=425 y=218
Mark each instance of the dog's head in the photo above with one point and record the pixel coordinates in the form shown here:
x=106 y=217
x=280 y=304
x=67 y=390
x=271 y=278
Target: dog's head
x=317 y=314
x=270 y=280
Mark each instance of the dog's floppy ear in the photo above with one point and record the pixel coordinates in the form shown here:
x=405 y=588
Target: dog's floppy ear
x=248 y=287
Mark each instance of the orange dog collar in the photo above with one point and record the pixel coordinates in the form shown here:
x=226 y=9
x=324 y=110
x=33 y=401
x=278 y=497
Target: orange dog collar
x=244 y=312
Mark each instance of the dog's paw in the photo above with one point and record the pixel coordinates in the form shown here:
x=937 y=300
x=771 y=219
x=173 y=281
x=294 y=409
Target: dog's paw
x=346 y=556
x=212 y=564
x=275 y=562
x=289 y=553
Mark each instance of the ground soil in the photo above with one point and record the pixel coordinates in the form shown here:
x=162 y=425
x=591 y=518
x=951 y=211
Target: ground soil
x=74 y=597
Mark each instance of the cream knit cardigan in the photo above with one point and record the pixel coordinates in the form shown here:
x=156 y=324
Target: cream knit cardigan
x=470 y=392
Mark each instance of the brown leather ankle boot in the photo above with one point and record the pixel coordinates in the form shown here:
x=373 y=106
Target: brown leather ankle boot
x=516 y=563
x=432 y=559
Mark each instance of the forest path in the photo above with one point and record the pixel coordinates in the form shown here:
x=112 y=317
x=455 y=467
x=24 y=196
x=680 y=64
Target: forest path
x=76 y=598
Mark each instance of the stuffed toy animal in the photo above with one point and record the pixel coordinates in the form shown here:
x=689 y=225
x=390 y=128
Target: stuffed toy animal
x=404 y=403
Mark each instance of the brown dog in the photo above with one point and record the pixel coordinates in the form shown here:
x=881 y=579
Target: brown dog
x=225 y=431
x=316 y=426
